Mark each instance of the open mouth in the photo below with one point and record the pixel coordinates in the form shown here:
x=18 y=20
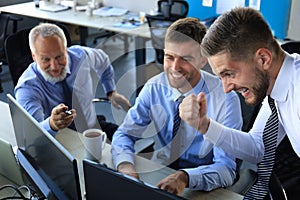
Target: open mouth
x=244 y=91
x=176 y=75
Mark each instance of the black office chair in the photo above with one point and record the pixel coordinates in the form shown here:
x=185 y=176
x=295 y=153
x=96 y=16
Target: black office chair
x=291 y=46
x=173 y=9
x=158 y=24
x=5 y=20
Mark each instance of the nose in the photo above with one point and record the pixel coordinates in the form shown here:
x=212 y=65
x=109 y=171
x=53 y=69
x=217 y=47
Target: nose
x=227 y=85
x=54 y=64
x=176 y=64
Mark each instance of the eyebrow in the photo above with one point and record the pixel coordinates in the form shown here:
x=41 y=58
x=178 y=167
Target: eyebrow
x=185 y=57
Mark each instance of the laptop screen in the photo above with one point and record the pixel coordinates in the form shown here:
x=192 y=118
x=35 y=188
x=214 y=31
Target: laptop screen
x=56 y=166
x=106 y=183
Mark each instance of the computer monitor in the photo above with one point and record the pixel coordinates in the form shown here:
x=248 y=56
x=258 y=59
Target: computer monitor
x=49 y=161
x=102 y=182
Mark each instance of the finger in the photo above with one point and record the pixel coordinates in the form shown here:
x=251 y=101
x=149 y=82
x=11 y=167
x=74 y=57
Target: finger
x=202 y=103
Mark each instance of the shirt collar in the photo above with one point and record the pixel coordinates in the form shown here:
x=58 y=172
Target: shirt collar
x=195 y=90
x=280 y=89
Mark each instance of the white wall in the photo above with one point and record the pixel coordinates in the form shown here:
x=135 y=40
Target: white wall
x=294 y=26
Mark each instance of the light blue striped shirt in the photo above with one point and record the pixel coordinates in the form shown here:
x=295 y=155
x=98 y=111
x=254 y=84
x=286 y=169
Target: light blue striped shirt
x=155 y=106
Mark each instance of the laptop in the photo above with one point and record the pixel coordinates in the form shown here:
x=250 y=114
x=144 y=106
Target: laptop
x=106 y=183
x=9 y=167
x=47 y=163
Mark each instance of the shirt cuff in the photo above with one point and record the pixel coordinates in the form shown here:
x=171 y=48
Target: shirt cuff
x=214 y=131
x=46 y=125
x=192 y=172
x=123 y=158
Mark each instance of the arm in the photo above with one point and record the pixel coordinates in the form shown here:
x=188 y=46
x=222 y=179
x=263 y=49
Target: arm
x=134 y=124
x=221 y=172
x=32 y=102
x=106 y=74
x=240 y=144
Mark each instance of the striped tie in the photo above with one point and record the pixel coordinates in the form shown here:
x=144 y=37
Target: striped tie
x=177 y=119
x=175 y=147
x=264 y=169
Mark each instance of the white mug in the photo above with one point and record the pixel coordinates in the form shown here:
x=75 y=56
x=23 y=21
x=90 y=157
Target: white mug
x=94 y=142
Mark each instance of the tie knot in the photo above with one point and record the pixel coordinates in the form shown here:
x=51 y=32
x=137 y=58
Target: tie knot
x=179 y=100
x=271 y=102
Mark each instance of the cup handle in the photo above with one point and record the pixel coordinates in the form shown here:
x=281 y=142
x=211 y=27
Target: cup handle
x=104 y=138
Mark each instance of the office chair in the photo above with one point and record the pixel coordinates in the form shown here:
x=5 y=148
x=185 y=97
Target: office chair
x=173 y=9
x=18 y=53
x=291 y=47
x=5 y=20
x=158 y=24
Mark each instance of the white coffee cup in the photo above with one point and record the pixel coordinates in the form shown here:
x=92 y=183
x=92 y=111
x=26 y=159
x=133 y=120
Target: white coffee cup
x=94 y=142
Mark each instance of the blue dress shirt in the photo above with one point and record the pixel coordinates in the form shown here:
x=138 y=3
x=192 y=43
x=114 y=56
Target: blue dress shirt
x=85 y=67
x=156 y=105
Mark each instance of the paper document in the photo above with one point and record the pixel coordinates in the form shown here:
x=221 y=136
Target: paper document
x=110 y=11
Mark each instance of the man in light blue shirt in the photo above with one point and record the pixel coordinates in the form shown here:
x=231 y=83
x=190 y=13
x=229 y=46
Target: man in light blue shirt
x=200 y=166
x=61 y=79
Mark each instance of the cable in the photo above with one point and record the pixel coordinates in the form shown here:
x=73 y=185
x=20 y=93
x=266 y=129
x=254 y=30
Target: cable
x=17 y=191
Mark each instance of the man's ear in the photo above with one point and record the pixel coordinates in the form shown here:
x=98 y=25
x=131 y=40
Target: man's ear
x=33 y=57
x=264 y=57
x=203 y=62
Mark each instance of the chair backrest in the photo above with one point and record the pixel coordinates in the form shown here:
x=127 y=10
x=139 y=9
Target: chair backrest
x=3 y=33
x=173 y=9
x=18 y=53
x=158 y=24
x=291 y=47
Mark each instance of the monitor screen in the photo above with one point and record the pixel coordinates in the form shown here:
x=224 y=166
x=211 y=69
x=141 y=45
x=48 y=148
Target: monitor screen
x=53 y=163
x=107 y=183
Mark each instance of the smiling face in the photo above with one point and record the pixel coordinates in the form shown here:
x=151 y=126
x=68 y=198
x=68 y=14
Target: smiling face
x=249 y=79
x=51 y=56
x=182 y=63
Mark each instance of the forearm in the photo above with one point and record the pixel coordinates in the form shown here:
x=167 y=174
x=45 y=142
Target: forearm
x=210 y=177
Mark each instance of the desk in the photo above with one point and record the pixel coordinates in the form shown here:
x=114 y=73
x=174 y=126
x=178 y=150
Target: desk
x=6 y=126
x=141 y=33
x=149 y=171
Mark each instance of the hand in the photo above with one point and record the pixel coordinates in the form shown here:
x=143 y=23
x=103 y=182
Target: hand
x=128 y=168
x=193 y=110
x=118 y=100
x=59 y=119
x=174 y=183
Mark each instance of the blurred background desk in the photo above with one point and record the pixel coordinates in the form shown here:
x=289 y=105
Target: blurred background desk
x=141 y=33
x=79 y=18
x=149 y=171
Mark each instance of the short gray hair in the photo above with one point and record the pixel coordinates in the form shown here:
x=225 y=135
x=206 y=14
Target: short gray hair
x=45 y=30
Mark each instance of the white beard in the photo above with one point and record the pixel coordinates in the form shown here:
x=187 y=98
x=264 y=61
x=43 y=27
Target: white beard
x=51 y=79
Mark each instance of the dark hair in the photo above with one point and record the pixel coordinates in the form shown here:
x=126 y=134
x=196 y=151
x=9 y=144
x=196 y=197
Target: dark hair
x=185 y=29
x=239 y=32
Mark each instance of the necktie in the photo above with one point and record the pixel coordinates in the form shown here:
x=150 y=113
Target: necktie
x=67 y=94
x=177 y=119
x=264 y=169
x=175 y=147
